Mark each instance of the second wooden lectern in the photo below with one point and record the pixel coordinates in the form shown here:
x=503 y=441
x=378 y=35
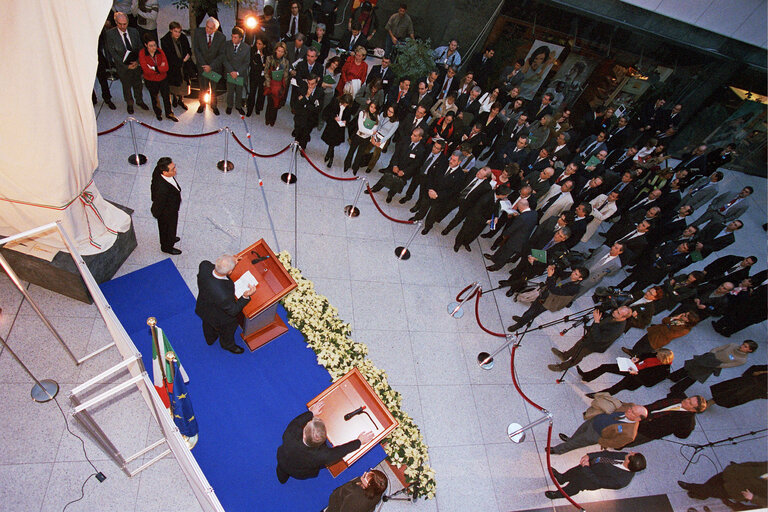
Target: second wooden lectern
x=260 y=321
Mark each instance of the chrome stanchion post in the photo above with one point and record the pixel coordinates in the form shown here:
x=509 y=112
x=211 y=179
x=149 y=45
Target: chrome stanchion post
x=454 y=308
x=516 y=432
x=43 y=390
x=225 y=165
x=402 y=252
x=485 y=360
x=351 y=210
x=289 y=177
x=136 y=158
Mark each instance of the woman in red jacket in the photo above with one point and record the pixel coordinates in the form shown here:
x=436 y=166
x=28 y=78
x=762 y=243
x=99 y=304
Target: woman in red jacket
x=354 y=68
x=154 y=65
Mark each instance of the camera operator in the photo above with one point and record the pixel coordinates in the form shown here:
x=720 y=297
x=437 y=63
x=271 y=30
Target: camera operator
x=599 y=336
x=558 y=291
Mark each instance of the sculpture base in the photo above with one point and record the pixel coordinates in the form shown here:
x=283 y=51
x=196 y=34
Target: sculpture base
x=61 y=275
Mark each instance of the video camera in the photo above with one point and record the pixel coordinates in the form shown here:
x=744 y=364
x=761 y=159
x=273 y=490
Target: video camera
x=609 y=298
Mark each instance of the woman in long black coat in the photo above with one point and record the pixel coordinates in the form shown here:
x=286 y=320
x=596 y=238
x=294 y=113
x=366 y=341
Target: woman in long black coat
x=177 y=50
x=752 y=385
x=337 y=116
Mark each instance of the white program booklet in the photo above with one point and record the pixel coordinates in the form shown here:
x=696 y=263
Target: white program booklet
x=626 y=364
x=506 y=206
x=243 y=282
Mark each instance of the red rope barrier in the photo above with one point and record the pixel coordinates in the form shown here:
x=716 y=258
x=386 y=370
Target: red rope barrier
x=552 y=475
x=253 y=153
x=477 y=316
x=310 y=162
x=183 y=135
x=98 y=134
x=459 y=297
x=376 y=204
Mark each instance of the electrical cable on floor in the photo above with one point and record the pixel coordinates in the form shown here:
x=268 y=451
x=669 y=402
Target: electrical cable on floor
x=98 y=474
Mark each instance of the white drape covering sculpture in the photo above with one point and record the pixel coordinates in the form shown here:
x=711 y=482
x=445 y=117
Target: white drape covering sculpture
x=48 y=145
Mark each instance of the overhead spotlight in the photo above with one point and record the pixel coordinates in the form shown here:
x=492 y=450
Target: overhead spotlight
x=251 y=22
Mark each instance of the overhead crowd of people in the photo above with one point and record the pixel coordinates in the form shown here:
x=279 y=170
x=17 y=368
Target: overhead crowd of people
x=544 y=186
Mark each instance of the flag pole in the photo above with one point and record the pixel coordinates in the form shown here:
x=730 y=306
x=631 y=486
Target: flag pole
x=152 y=323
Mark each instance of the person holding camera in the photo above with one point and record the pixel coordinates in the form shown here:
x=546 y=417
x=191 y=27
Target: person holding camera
x=558 y=291
x=598 y=338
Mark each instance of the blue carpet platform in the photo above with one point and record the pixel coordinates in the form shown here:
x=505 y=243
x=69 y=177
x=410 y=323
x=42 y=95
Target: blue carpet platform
x=242 y=402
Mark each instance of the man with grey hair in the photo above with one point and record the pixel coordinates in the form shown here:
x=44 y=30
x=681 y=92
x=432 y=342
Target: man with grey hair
x=442 y=184
x=304 y=452
x=123 y=45
x=209 y=56
x=217 y=304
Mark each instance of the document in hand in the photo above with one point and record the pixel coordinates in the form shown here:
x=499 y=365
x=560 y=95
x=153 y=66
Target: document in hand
x=212 y=76
x=237 y=81
x=243 y=282
x=539 y=255
x=626 y=364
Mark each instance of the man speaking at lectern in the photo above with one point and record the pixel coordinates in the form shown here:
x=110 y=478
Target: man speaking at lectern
x=217 y=305
x=304 y=452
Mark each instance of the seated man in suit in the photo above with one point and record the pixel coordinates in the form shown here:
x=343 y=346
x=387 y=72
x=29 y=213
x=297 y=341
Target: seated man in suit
x=610 y=430
x=599 y=470
x=304 y=452
x=669 y=416
x=217 y=305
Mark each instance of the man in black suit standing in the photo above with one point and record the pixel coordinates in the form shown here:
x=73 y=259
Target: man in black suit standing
x=716 y=236
x=404 y=164
x=669 y=416
x=217 y=305
x=599 y=470
x=514 y=238
x=208 y=46
x=475 y=188
x=166 y=200
x=729 y=268
x=304 y=452
x=441 y=184
x=123 y=45
x=435 y=159
x=482 y=65
x=308 y=104
x=536 y=112
x=384 y=72
x=353 y=38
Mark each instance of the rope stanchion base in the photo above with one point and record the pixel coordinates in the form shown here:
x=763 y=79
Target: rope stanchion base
x=455 y=310
x=289 y=178
x=132 y=159
x=225 y=165
x=485 y=361
x=402 y=253
x=351 y=211
x=47 y=392
x=514 y=434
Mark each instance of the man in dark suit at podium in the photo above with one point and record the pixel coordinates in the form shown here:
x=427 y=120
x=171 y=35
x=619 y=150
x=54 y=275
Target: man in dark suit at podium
x=166 y=200
x=217 y=305
x=304 y=452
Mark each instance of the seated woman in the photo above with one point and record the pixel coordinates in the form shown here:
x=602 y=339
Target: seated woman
x=652 y=368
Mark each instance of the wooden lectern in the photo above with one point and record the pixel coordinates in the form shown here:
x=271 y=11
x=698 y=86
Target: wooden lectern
x=260 y=321
x=344 y=396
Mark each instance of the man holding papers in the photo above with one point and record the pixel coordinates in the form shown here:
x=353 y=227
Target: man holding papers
x=217 y=304
x=237 y=57
x=208 y=46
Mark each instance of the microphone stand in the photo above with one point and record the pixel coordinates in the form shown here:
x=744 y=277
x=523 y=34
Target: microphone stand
x=485 y=360
x=700 y=447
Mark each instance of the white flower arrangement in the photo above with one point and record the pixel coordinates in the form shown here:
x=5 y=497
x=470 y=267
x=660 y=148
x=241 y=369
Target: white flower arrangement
x=326 y=334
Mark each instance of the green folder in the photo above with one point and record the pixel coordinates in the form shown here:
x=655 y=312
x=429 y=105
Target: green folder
x=317 y=46
x=328 y=79
x=539 y=255
x=237 y=81
x=277 y=74
x=212 y=76
x=696 y=256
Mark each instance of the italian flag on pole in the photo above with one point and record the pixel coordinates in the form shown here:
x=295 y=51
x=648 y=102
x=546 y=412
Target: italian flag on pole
x=162 y=376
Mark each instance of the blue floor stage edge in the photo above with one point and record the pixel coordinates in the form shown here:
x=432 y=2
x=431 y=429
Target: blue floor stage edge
x=242 y=402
